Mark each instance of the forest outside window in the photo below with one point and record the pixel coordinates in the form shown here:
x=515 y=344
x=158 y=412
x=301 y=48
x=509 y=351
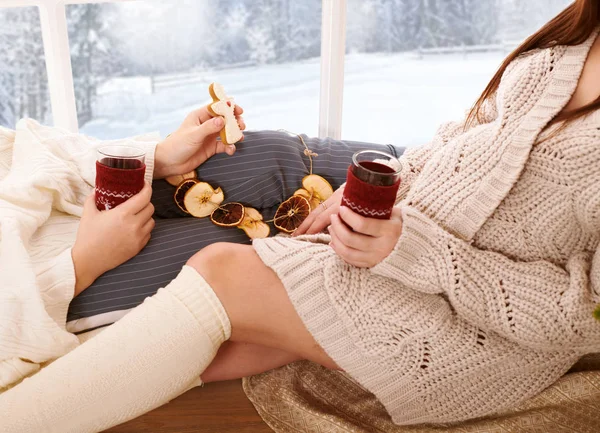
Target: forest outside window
x=142 y=66
x=23 y=79
x=414 y=64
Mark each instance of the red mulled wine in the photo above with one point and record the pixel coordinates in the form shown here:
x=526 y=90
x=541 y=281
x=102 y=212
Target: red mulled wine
x=122 y=163
x=376 y=174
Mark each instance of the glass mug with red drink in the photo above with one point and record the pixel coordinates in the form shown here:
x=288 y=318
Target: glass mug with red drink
x=120 y=172
x=372 y=184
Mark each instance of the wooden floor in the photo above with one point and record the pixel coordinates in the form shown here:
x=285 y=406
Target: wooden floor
x=217 y=407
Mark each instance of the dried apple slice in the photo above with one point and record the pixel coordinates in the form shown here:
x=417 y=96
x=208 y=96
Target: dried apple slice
x=228 y=215
x=291 y=213
x=304 y=193
x=312 y=199
x=201 y=199
x=178 y=179
x=316 y=190
x=182 y=189
x=253 y=224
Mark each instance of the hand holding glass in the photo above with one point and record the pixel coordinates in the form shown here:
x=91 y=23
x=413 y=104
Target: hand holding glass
x=120 y=172
x=372 y=184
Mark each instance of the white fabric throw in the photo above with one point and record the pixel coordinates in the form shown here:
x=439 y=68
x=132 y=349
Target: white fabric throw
x=45 y=176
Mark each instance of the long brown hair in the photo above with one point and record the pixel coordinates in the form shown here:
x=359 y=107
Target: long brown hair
x=572 y=26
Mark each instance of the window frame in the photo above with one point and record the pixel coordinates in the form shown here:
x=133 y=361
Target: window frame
x=60 y=73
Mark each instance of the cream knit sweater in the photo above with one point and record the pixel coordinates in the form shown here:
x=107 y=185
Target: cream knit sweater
x=504 y=219
x=488 y=297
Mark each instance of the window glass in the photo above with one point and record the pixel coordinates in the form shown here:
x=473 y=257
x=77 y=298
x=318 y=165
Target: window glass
x=413 y=64
x=142 y=66
x=23 y=79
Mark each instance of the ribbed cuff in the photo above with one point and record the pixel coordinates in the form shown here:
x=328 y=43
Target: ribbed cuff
x=200 y=299
x=150 y=149
x=59 y=279
x=148 y=143
x=416 y=258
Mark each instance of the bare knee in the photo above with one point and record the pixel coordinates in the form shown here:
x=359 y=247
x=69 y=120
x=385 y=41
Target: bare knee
x=237 y=276
x=255 y=300
x=211 y=258
x=220 y=264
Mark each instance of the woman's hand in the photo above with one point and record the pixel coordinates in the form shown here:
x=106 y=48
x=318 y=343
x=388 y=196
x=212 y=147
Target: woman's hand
x=193 y=143
x=371 y=241
x=320 y=218
x=108 y=239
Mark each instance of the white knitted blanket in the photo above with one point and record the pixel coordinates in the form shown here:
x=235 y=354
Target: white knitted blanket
x=45 y=176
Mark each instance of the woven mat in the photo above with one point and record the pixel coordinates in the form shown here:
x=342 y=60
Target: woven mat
x=306 y=398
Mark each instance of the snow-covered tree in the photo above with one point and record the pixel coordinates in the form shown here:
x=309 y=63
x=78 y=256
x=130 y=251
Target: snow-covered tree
x=364 y=30
x=399 y=25
x=94 y=54
x=7 y=117
x=23 y=79
x=6 y=108
x=303 y=38
x=233 y=35
x=166 y=37
x=520 y=18
x=261 y=45
x=263 y=33
x=404 y=30
x=469 y=22
x=291 y=30
x=222 y=40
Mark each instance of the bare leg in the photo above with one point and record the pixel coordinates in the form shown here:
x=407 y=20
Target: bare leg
x=237 y=360
x=256 y=301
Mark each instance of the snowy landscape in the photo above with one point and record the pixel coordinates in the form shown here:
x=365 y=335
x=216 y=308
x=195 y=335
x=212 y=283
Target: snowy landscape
x=388 y=98
x=142 y=66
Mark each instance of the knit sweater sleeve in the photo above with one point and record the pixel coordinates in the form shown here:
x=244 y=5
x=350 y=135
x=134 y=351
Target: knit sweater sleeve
x=535 y=304
x=57 y=283
x=413 y=160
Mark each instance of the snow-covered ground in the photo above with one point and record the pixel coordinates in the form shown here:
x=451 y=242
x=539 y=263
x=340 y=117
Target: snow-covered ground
x=388 y=98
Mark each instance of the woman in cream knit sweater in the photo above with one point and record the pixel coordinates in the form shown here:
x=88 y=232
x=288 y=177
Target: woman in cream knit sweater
x=475 y=296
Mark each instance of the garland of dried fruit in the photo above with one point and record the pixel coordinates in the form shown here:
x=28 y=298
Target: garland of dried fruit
x=201 y=200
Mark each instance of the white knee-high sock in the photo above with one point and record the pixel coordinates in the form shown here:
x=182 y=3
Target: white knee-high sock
x=149 y=357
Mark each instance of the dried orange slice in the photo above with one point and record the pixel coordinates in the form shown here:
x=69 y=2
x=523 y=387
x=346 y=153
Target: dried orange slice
x=228 y=215
x=253 y=225
x=316 y=190
x=291 y=213
x=178 y=179
x=201 y=199
x=182 y=189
